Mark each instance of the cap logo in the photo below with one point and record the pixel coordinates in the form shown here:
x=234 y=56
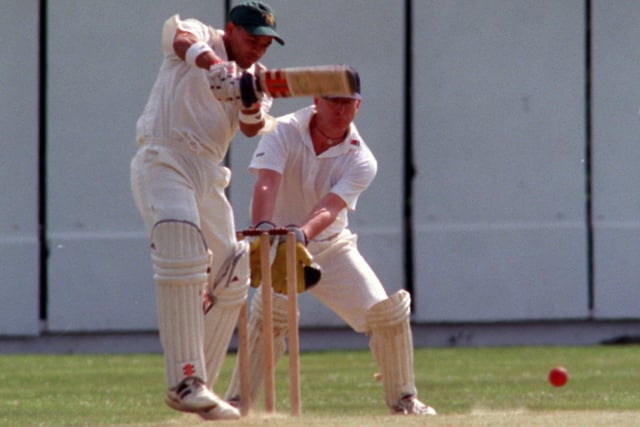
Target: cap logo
x=269 y=19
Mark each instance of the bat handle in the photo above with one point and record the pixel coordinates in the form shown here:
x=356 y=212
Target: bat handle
x=248 y=87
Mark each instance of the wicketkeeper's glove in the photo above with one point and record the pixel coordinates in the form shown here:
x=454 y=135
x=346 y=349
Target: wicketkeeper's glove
x=308 y=273
x=255 y=263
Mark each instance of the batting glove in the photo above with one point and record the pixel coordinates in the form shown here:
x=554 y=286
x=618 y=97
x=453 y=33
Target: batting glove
x=249 y=92
x=224 y=80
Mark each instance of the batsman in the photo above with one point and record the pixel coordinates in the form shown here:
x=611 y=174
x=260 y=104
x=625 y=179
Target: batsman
x=178 y=180
x=310 y=171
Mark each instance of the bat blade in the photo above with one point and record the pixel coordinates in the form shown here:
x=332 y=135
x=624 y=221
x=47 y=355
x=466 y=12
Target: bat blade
x=322 y=80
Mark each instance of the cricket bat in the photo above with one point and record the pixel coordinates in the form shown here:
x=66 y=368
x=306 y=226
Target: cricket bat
x=320 y=80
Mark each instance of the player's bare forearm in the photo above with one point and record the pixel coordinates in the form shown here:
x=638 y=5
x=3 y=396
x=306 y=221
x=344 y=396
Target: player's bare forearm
x=323 y=215
x=250 y=130
x=265 y=192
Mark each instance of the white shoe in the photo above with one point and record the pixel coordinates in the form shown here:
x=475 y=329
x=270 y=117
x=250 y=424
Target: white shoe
x=409 y=405
x=234 y=401
x=223 y=411
x=192 y=395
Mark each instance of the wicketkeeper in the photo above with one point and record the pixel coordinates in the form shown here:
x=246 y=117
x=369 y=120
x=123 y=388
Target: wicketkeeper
x=310 y=172
x=178 y=182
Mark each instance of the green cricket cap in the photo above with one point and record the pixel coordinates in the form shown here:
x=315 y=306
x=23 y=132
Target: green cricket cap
x=257 y=18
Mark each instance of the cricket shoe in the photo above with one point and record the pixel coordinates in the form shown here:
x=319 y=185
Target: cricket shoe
x=409 y=405
x=223 y=411
x=192 y=395
x=234 y=401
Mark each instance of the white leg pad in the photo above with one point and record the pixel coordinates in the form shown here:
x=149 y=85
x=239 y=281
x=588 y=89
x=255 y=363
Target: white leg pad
x=180 y=261
x=256 y=346
x=222 y=316
x=392 y=345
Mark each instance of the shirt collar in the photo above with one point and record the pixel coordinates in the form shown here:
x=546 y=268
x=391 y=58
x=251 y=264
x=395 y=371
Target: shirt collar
x=353 y=141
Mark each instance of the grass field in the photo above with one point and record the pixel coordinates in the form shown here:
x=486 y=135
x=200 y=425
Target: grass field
x=468 y=386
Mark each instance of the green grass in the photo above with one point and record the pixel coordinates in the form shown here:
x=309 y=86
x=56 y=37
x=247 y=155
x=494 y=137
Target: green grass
x=468 y=386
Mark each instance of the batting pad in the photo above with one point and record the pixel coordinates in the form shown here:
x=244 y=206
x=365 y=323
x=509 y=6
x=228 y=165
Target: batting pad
x=392 y=345
x=180 y=262
x=256 y=346
x=220 y=320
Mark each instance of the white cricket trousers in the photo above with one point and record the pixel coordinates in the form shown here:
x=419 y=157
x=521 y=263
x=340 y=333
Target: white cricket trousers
x=182 y=184
x=349 y=286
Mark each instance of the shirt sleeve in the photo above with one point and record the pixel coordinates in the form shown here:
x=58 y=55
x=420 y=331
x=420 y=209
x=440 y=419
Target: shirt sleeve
x=357 y=179
x=271 y=153
x=172 y=24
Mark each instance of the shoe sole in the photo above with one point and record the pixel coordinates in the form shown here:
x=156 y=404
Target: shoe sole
x=218 y=417
x=174 y=404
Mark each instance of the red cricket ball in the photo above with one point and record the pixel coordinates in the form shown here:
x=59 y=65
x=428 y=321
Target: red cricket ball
x=558 y=376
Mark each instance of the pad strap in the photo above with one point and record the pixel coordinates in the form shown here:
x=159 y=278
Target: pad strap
x=179 y=253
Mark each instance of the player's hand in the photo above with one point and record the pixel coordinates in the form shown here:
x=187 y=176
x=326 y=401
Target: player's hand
x=252 y=116
x=308 y=273
x=255 y=262
x=222 y=71
x=249 y=92
x=300 y=236
x=224 y=80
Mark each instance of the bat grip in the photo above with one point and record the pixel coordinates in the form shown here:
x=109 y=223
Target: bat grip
x=248 y=87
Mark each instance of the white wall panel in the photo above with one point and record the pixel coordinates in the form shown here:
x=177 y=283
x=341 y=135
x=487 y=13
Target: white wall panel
x=616 y=156
x=103 y=60
x=499 y=140
x=100 y=75
x=499 y=143
x=368 y=35
x=19 y=248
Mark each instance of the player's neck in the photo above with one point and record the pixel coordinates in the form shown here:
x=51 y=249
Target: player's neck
x=325 y=137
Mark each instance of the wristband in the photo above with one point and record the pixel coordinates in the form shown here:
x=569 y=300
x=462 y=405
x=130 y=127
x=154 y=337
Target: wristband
x=251 y=118
x=194 y=51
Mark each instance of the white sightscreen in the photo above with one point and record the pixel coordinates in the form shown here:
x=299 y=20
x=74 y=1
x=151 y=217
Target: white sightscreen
x=616 y=156
x=19 y=249
x=499 y=136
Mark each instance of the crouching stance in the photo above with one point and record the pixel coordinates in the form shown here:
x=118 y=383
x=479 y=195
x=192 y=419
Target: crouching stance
x=310 y=171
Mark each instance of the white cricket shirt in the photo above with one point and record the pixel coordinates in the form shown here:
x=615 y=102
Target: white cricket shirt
x=345 y=169
x=181 y=106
